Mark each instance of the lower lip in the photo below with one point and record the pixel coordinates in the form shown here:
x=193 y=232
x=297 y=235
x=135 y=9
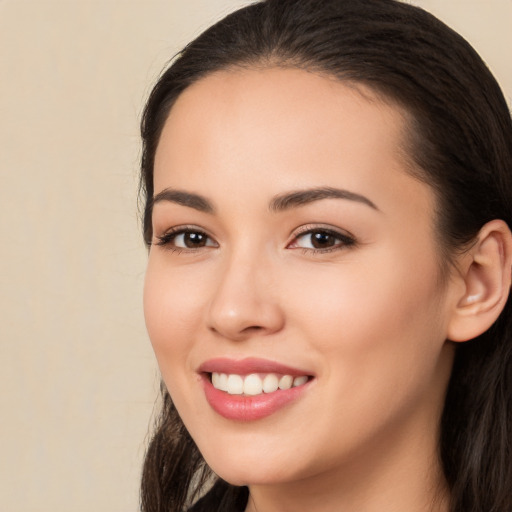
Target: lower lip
x=249 y=408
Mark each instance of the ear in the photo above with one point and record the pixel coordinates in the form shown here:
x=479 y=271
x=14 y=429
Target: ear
x=485 y=272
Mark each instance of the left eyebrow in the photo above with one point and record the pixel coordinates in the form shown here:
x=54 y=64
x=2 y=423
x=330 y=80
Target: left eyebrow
x=300 y=198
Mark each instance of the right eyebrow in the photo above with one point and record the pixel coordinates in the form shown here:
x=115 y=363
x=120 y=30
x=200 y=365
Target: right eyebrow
x=195 y=201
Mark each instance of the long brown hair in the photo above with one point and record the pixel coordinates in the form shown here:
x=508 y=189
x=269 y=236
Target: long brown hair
x=461 y=144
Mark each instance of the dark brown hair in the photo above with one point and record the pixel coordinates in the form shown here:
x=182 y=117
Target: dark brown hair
x=461 y=145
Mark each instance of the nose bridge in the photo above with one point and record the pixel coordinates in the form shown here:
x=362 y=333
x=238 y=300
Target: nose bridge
x=244 y=302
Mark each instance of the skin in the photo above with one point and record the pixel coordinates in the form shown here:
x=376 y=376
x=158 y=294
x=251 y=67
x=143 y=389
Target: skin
x=369 y=320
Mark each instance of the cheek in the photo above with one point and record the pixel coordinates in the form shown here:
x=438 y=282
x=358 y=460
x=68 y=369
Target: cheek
x=365 y=313
x=171 y=309
x=378 y=339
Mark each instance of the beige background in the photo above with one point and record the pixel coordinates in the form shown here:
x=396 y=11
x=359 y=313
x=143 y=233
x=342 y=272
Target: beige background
x=77 y=376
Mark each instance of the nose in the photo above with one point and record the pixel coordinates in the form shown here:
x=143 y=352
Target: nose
x=245 y=302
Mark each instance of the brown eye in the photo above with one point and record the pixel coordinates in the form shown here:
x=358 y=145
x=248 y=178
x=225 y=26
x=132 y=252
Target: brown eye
x=186 y=239
x=193 y=240
x=322 y=240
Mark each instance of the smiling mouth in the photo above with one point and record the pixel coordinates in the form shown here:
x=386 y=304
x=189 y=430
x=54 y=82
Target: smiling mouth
x=251 y=389
x=255 y=384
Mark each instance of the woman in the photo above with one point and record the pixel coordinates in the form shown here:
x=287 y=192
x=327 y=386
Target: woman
x=328 y=194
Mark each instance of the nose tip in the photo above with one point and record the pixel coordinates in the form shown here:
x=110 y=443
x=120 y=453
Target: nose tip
x=243 y=321
x=236 y=326
x=243 y=307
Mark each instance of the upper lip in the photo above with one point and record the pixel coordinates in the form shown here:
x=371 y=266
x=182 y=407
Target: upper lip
x=249 y=365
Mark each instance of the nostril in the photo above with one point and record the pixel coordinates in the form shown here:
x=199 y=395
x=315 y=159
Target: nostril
x=246 y=318
x=242 y=333
x=252 y=328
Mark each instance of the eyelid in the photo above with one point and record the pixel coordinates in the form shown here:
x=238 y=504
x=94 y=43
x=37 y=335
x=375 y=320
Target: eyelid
x=343 y=237
x=346 y=238
x=165 y=239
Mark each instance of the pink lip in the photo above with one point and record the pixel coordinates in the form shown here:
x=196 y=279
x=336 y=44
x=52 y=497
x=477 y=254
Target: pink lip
x=249 y=408
x=248 y=366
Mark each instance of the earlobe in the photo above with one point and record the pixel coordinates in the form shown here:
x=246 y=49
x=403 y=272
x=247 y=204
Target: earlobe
x=486 y=276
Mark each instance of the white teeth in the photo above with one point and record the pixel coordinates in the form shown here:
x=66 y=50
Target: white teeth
x=223 y=382
x=235 y=385
x=285 y=382
x=253 y=384
x=270 y=383
x=220 y=381
x=299 y=381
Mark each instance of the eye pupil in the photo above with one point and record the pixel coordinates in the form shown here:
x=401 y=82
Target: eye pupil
x=321 y=239
x=193 y=240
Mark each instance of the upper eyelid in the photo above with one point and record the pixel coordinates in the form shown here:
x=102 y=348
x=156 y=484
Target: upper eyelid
x=345 y=238
x=178 y=230
x=308 y=228
x=305 y=228
x=182 y=228
x=296 y=233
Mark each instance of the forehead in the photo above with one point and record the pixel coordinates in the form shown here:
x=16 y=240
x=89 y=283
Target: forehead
x=256 y=100
x=255 y=131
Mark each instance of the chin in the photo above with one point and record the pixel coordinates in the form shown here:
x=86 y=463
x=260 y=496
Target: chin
x=251 y=474
x=255 y=465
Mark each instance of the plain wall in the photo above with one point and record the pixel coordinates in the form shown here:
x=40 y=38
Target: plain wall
x=77 y=376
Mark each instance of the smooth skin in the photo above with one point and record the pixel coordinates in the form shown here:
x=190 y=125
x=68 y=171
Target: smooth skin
x=348 y=288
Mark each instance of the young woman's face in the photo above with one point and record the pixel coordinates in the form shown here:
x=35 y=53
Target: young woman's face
x=290 y=244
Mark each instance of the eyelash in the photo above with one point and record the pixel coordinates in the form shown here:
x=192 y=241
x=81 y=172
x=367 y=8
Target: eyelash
x=167 y=239
x=344 y=240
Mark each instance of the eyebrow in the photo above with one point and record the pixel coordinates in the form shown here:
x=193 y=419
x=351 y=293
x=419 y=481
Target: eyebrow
x=279 y=203
x=303 y=197
x=189 y=199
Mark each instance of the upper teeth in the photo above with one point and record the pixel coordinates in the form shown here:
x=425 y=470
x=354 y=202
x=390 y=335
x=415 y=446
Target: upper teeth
x=253 y=384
